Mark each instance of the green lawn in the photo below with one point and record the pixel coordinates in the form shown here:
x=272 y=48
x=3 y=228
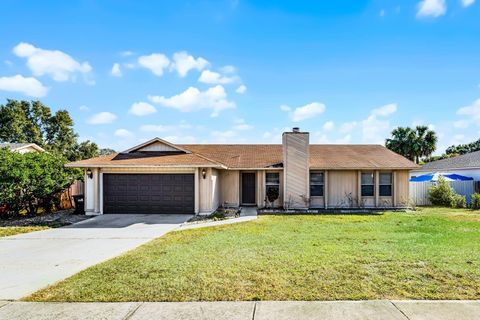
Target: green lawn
x=429 y=254
x=10 y=231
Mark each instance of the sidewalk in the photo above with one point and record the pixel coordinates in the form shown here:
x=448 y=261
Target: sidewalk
x=268 y=310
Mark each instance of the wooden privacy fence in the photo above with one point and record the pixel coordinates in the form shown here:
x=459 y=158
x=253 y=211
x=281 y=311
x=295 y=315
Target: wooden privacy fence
x=419 y=191
x=66 y=198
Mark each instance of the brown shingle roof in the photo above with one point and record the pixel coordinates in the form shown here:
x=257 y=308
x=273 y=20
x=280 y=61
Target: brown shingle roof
x=264 y=155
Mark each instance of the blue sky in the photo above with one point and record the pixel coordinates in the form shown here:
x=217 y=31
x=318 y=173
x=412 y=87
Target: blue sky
x=244 y=71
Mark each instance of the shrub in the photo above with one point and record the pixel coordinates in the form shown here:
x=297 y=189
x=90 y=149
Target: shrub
x=441 y=194
x=459 y=201
x=476 y=201
x=33 y=179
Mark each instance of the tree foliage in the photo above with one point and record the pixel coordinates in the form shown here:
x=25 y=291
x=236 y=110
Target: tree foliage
x=32 y=180
x=33 y=122
x=441 y=194
x=456 y=150
x=413 y=144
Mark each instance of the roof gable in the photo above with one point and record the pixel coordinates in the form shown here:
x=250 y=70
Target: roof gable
x=156 y=145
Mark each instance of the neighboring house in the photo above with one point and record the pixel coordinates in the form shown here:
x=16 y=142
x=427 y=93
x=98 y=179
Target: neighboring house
x=466 y=165
x=22 y=147
x=161 y=177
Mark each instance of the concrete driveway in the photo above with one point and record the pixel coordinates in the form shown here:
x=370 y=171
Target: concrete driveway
x=31 y=261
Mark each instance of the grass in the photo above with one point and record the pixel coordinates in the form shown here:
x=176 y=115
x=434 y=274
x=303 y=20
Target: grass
x=433 y=253
x=10 y=231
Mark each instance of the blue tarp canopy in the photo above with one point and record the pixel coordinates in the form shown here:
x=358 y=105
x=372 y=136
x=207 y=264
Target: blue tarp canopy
x=434 y=177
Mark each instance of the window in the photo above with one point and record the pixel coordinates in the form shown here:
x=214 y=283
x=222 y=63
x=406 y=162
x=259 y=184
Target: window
x=272 y=181
x=385 y=184
x=316 y=184
x=368 y=185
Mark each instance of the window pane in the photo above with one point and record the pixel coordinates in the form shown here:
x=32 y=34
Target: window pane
x=272 y=178
x=316 y=177
x=367 y=191
x=386 y=191
x=316 y=190
x=386 y=178
x=367 y=177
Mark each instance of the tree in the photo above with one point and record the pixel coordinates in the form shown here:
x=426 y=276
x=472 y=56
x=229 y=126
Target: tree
x=33 y=180
x=106 y=151
x=412 y=143
x=85 y=150
x=33 y=122
x=463 y=148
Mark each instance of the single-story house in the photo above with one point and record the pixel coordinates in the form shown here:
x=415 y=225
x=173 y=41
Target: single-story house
x=467 y=165
x=22 y=147
x=160 y=177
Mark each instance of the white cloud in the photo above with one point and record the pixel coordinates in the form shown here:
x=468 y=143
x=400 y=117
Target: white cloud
x=348 y=126
x=123 y=133
x=240 y=125
x=376 y=127
x=472 y=112
x=57 y=64
x=229 y=69
x=346 y=139
x=431 y=8
x=102 y=118
x=467 y=3
x=156 y=62
x=183 y=63
x=192 y=99
x=116 y=71
x=142 y=109
x=306 y=112
x=328 y=126
x=27 y=85
x=285 y=108
x=461 y=124
x=154 y=128
x=211 y=77
x=126 y=53
x=386 y=110
x=84 y=108
x=241 y=89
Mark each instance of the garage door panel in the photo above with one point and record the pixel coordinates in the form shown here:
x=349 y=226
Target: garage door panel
x=148 y=193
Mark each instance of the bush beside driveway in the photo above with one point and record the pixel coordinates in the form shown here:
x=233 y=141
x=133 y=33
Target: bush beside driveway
x=428 y=254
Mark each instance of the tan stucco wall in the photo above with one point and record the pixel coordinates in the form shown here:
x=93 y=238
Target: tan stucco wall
x=340 y=184
x=401 y=188
x=229 y=187
x=223 y=187
x=296 y=168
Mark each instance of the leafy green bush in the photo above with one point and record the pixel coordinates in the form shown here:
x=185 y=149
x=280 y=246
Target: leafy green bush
x=32 y=180
x=441 y=194
x=476 y=201
x=459 y=201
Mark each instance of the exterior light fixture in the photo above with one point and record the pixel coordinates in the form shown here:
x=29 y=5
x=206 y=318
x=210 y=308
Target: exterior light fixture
x=89 y=173
x=204 y=173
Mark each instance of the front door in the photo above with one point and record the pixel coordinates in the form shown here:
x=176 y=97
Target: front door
x=248 y=188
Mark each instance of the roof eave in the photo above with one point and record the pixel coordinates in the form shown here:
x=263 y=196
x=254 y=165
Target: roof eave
x=73 y=165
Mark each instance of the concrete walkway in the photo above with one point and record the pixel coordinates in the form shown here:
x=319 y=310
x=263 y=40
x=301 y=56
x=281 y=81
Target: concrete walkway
x=247 y=214
x=274 y=310
x=31 y=261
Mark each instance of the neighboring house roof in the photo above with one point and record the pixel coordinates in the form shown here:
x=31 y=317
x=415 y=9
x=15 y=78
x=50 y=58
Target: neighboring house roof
x=20 y=146
x=466 y=161
x=254 y=156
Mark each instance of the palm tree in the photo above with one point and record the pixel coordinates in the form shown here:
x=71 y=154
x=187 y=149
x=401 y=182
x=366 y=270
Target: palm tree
x=412 y=143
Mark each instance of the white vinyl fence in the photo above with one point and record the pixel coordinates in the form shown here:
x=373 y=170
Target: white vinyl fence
x=419 y=191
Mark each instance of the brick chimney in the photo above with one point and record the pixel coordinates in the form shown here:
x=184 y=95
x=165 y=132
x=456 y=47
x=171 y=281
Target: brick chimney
x=296 y=153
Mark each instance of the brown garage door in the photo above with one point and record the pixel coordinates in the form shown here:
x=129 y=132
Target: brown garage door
x=148 y=193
